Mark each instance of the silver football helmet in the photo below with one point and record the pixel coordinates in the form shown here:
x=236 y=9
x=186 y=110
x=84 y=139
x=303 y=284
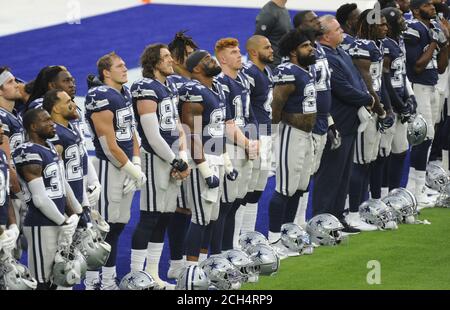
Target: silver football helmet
x=95 y=250
x=443 y=200
x=417 y=130
x=264 y=257
x=99 y=224
x=296 y=239
x=244 y=264
x=325 y=229
x=138 y=281
x=69 y=267
x=250 y=238
x=222 y=274
x=15 y=276
x=404 y=204
x=192 y=278
x=376 y=212
x=436 y=177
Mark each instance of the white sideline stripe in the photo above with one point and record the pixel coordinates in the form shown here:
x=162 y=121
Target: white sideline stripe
x=36 y=14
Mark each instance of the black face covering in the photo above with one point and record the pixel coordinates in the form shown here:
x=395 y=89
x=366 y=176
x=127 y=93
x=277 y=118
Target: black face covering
x=210 y=72
x=306 y=61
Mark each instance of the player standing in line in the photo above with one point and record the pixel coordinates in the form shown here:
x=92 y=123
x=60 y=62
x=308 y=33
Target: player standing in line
x=163 y=153
x=240 y=151
x=367 y=53
x=38 y=164
x=426 y=56
x=110 y=115
x=180 y=48
x=294 y=105
x=259 y=74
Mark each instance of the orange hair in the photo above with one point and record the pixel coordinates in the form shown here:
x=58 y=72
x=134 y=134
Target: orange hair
x=225 y=43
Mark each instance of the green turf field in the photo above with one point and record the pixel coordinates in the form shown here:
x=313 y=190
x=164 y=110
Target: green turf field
x=412 y=257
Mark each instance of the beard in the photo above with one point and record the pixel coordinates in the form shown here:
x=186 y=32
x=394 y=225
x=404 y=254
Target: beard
x=425 y=15
x=211 y=72
x=265 y=59
x=306 y=61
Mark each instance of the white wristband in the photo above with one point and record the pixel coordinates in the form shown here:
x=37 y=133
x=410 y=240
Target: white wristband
x=183 y=155
x=330 y=120
x=137 y=160
x=132 y=170
x=227 y=163
x=204 y=169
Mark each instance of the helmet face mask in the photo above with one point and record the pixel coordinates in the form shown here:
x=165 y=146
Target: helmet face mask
x=101 y=227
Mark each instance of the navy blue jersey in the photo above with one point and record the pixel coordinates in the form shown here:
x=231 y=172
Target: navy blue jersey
x=179 y=81
x=303 y=99
x=261 y=95
x=417 y=39
x=69 y=138
x=36 y=103
x=13 y=128
x=166 y=98
x=214 y=115
x=103 y=98
x=19 y=108
x=52 y=173
x=4 y=184
x=347 y=42
x=79 y=125
x=323 y=88
x=374 y=52
x=397 y=55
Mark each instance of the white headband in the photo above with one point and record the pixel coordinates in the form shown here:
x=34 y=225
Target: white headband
x=5 y=76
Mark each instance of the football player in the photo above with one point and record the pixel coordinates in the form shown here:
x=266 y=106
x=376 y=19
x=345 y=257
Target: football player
x=394 y=72
x=324 y=126
x=368 y=55
x=204 y=112
x=347 y=15
x=180 y=48
x=110 y=115
x=38 y=164
x=68 y=143
x=294 y=107
x=259 y=74
x=426 y=57
x=163 y=153
x=239 y=150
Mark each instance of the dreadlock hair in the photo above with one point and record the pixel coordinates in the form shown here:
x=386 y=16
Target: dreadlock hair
x=178 y=46
x=364 y=29
x=47 y=75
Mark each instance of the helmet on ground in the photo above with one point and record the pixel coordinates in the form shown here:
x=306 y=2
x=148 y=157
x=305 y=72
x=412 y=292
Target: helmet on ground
x=325 y=229
x=138 y=281
x=192 y=278
x=376 y=212
x=222 y=274
x=244 y=264
x=295 y=238
x=404 y=203
x=250 y=238
x=265 y=258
